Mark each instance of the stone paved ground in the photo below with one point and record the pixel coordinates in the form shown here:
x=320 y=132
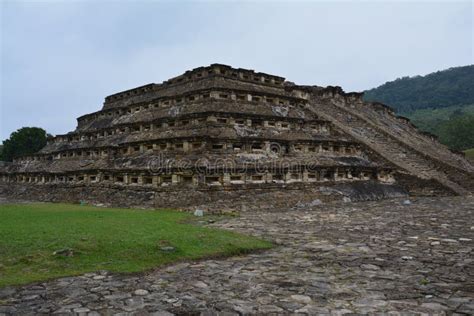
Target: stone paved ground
x=355 y=257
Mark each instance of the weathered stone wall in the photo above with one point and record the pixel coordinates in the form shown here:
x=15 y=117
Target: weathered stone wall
x=212 y=199
x=258 y=125
x=395 y=139
x=197 y=79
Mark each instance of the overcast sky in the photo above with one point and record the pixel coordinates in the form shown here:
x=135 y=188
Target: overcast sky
x=60 y=59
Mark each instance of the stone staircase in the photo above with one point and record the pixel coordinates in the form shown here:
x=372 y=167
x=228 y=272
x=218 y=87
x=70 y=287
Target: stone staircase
x=392 y=148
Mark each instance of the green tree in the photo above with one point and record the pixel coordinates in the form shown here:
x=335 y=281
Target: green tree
x=458 y=132
x=436 y=90
x=25 y=141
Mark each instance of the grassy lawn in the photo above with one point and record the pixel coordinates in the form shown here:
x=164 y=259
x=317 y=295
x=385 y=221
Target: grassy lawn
x=118 y=240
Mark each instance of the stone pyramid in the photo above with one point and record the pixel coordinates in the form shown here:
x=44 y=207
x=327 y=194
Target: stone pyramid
x=231 y=137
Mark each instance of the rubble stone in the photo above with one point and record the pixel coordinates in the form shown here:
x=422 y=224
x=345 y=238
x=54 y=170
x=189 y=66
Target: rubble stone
x=335 y=258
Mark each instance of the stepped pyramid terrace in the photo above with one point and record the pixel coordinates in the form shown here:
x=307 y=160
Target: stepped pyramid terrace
x=226 y=137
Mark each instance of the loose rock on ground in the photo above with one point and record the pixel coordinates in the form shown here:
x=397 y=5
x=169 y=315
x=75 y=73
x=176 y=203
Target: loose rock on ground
x=367 y=257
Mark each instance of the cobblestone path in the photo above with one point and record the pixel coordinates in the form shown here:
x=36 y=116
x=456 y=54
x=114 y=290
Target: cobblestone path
x=368 y=257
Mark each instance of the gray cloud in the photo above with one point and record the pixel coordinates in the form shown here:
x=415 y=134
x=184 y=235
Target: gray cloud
x=60 y=59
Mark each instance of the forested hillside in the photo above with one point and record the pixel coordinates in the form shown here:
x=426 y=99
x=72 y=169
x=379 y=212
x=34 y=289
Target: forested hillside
x=454 y=86
x=441 y=103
